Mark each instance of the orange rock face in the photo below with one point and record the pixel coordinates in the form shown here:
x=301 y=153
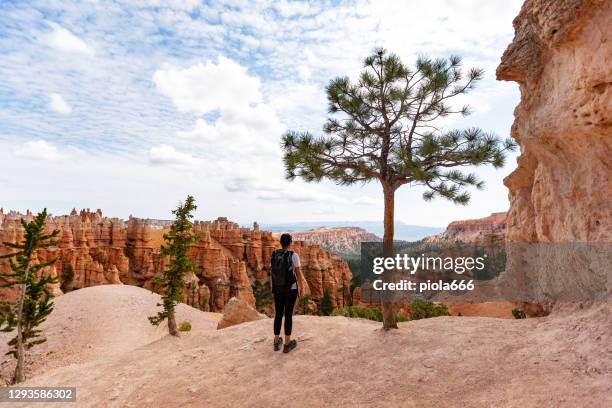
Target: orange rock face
x=341 y=240
x=90 y=248
x=95 y=250
x=560 y=57
x=486 y=230
x=324 y=271
x=561 y=189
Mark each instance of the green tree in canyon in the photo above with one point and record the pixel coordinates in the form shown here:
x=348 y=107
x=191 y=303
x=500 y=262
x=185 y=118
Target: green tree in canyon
x=34 y=304
x=385 y=127
x=326 y=303
x=172 y=281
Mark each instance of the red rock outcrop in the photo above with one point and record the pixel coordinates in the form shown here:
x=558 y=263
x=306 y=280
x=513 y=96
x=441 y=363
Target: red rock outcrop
x=340 y=240
x=246 y=253
x=561 y=189
x=489 y=229
x=90 y=248
x=95 y=250
x=560 y=58
x=324 y=271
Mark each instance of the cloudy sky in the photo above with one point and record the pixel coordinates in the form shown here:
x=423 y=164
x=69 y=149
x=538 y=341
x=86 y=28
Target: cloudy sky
x=128 y=106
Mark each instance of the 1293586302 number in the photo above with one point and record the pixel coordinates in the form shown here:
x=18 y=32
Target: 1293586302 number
x=32 y=394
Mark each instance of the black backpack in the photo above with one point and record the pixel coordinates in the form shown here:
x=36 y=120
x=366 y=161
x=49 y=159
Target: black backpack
x=282 y=271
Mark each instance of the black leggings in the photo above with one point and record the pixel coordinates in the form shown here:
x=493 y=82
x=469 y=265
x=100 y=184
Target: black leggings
x=283 y=304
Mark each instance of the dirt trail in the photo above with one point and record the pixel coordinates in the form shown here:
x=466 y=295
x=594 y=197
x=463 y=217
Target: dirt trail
x=98 y=323
x=446 y=361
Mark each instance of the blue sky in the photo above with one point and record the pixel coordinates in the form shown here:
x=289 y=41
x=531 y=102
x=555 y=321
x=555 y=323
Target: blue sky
x=129 y=106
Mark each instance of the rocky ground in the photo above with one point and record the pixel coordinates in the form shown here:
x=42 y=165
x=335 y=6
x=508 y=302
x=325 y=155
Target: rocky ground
x=103 y=345
x=99 y=323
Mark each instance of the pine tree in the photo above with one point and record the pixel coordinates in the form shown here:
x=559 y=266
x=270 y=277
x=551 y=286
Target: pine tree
x=383 y=128
x=172 y=281
x=34 y=304
x=304 y=300
x=326 y=303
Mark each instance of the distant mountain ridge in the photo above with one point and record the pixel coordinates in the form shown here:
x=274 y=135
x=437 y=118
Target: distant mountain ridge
x=404 y=232
x=344 y=241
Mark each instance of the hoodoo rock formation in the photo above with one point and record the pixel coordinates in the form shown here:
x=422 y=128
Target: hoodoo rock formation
x=560 y=57
x=90 y=248
x=96 y=250
x=341 y=240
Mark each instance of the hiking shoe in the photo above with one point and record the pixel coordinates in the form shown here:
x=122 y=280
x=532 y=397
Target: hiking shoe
x=278 y=343
x=290 y=346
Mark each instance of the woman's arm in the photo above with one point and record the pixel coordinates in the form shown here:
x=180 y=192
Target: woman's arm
x=301 y=282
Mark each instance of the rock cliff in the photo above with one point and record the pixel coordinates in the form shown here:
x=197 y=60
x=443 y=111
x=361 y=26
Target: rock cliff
x=560 y=192
x=96 y=250
x=560 y=58
x=90 y=248
x=489 y=229
x=340 y=240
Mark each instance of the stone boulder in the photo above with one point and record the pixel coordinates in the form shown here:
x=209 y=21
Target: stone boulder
x=237 y=311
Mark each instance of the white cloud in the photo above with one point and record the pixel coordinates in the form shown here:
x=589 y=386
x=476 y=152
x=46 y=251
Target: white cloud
x=244 y=126
x=278 y=59
x=301 y=105
x=202 y=132
x=366 y=200
x=272 y=189
x=58 y=104
x=298 y=194
x=294 y=8
x=38 y=150
x=65 y=41
x=203 y=88
x=168 y=155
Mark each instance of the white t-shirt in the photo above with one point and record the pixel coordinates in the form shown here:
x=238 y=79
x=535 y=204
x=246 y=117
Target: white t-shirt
x=296 y=264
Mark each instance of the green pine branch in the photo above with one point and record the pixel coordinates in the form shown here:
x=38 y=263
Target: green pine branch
x=172 y=282
x=382 y=127
x=35 y=301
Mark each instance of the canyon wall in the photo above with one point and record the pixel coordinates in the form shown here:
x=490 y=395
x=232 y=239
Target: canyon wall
x=491 y=229
x=560 y=192
x=340 y=240
x=560 y=58
x=90 y=248
x=96 y=250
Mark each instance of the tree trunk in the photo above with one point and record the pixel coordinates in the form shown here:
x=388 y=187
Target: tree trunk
x=19 y=375
x=388 y=308
x=172 y=323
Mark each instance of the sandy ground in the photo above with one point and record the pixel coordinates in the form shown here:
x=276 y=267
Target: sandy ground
x=98 y=323
x=556 y=361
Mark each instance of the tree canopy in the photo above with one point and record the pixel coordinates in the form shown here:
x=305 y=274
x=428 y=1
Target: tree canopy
x=383 y=127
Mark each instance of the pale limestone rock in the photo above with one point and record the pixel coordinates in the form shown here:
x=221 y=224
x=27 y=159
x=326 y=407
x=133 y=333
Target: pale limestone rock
x=237 y=311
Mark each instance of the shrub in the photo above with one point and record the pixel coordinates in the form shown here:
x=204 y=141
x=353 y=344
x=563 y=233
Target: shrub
x=263 y=296
x=326 y=304
x=518 y=314
x=365 y=313
x=185 y=326
x=304 y=300
x=359 y=311
x=422 y=309
x=401 y=318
